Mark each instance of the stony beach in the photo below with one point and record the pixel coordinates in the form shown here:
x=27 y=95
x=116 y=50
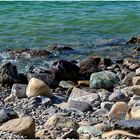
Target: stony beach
x=95 y=98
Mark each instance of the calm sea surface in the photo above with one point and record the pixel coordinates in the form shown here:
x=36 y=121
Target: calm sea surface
x=84 y=25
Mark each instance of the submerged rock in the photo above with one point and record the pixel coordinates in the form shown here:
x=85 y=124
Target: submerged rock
x=104 y=79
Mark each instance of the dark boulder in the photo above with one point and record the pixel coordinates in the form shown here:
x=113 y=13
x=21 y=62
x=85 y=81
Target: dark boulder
x=8 y=74
x=65 y=70
x=89 y=66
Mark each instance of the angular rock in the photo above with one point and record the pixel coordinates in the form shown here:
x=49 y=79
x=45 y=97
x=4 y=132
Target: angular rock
x=118 y=96
x=118 y=110
x=37 y=87
x=104 y=95
x=61 y=121
x=8 y=74
x=7 y=114
x=107 y=105
x=128 y=79
x=65 y=70
x=89 y=65
x=82 y=106
x=135 y=112
x=138 y=72
x=136 y=80
x=19 y=90
x=72 y=134
x=101 y=112
x=104 y=79
x=128 y=125
x=47 y=78
x=90 y=130
x=24 y=126
x=136 y=90
x=67 y=84
x=78 y=94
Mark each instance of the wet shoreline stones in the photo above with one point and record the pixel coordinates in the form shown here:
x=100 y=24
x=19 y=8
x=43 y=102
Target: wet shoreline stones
x=93 y=98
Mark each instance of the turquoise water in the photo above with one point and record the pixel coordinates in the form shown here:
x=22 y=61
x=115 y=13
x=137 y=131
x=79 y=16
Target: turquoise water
x=89 y=27
x=37 y=24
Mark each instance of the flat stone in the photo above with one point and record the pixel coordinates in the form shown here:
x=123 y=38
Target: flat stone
x=7 y=114
x=90 y=130
x=136 y=80
x=24 y=126
x=61 y=121
x=118 y=96
x=128 y=125
x=104 y=79
x=118 y=110
x=82 y=106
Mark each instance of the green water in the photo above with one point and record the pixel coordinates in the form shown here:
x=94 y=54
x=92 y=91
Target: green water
x=36 y=24
x=84 y=25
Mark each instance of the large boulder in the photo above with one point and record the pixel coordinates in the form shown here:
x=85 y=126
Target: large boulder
x=24 y=126
x=37 y=87
x=8 y=74
x=89 y=65
x=65 y=70
x=104 y=79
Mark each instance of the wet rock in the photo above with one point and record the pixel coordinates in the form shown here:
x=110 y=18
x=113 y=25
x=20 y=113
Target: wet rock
x=104 y=63
x=118 y=110
x=45 y=77
x=67 y=84
x=135 y=112
x=128 y=125
x=58 y=120
x=8 y=74
x=84 y=83
x=128 y=79
x=7 y=114
x=72 y=134
x=37 y=87
x=104 y=79
x=65 y=70
x=24 y=126
x=107 y=105
x=136 y=80
x=82 y=106
x=19 y=90
x=39 y=53
x=136 y=89
x=90 y=130
x=78 y=94
x=89 y=66
x=39 y=100
x=138 y=72
x=118 y=96
x=23 y=78
x=133 y=40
